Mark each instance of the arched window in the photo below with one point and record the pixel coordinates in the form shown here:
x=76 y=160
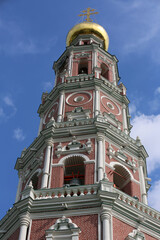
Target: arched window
x=105 y=71
x=74 y=171
x=34 y=181
x=122 y=179
x=83 y=67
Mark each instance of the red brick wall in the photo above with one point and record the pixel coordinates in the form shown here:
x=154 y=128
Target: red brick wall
x=15 y=235
x=89 y=173
x=57 y=177
x=121 y=230
x=88 y=225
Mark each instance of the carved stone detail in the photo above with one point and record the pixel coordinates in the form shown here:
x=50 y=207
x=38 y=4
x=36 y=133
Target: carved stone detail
x=78 y=114
x=73 y=147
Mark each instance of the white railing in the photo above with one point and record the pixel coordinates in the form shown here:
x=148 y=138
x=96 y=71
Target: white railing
x=137 y=204
x=65 y=192
x=79 y=78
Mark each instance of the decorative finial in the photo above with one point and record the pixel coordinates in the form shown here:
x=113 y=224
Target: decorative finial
x=88 y=13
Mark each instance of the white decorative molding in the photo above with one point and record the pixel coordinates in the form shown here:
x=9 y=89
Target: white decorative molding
x=78 y=114
x=79 y=92
x=104 y=59
x=112 y=164
x=74 y=146
x=51 y=112
x=82 y=55
x=112 y=103
x=38 y=171
x=119 y=155
x=135 y=234
x=62 y=160
x=64 y=228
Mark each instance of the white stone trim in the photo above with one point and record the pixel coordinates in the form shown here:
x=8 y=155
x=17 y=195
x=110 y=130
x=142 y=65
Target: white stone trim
x=62 y=160
x=72 y=94
x=113 y=102
x=112 y=164
x=99 y=227
x=60 y=107
x=39 y=170
x=44 y=119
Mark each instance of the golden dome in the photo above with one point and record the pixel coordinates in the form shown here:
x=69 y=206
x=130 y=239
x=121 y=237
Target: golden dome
x=88 y=28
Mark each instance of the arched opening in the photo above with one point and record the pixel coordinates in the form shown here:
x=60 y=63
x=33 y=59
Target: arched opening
x=105 y=71
x=83 y=67
x=122 y=179
x=74 y=171
x=34 y=181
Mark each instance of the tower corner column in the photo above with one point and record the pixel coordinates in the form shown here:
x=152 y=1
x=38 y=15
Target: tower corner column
x=125 y=125
x=24 y=223
x=97 y=109
x=60 y=109
x=100 y=156
x=106 y=222
x=142 y=180
x=49 y=144
x=41 y=124
x=20 y=174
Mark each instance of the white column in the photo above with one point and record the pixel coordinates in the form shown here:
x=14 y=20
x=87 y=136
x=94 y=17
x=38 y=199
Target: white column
x=114 y=75
x=24 y=223
x=100 y=158
x=106 y=220
x=96 y=111
x=94 y=58
x=70 y=64
x=40 y=125
x=46 y=165
x=60 y=109
x=142 y=181
x=19 y=188
x=125 y=125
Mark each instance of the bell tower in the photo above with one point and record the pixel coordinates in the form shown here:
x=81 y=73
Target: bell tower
x=83 y=177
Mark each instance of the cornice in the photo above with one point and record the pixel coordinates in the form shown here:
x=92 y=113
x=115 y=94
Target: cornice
x=104 y=199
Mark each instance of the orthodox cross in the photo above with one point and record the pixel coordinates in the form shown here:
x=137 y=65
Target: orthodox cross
x=88 y=13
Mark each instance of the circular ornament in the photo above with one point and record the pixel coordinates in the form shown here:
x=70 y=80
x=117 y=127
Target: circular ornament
x=110 y=106
x=78 y=98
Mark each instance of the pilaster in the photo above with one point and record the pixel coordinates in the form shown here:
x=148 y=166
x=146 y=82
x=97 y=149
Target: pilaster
x=100 y=155
x=142 y=181
x=24 y=223
x=60 y=109
x=106 y=222
x=47 y=161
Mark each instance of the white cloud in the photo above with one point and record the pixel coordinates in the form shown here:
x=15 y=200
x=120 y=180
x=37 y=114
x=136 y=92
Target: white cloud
x=18 y=134
x=1 y=112
x=148 y=129
x=155 y=102
x=132 y=108
x=157 y=91
x=8 y=101
x=47 y=86
x=7 y=108
x=153 y=196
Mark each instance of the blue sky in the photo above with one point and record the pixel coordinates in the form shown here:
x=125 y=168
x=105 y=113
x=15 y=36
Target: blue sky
x=32 y=36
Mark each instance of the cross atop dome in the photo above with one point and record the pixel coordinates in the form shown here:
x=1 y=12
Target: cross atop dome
x=88 y=13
